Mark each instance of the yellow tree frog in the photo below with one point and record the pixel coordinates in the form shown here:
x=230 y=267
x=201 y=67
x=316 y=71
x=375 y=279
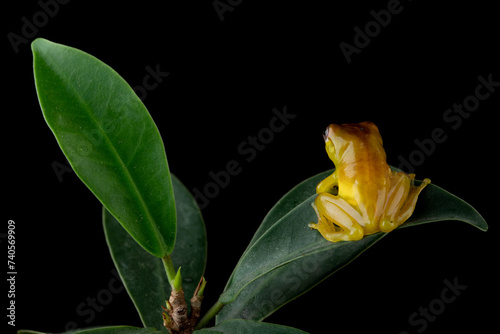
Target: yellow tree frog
x=363 y=195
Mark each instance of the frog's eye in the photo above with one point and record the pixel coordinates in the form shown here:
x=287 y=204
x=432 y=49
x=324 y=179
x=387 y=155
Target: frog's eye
x=325 y=133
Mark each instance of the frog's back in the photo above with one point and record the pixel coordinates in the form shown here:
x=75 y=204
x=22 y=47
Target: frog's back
x=363 y=173
x=361 y=153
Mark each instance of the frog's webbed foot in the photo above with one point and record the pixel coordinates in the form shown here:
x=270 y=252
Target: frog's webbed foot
x=401 y=200
x=337 y=220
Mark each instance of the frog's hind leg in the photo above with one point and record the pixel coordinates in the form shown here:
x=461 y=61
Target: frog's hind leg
x=401 y=200
x=337 y=219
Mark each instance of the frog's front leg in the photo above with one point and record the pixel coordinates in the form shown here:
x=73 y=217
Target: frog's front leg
x=337 y=219
x=328 y=185
x=401 y=200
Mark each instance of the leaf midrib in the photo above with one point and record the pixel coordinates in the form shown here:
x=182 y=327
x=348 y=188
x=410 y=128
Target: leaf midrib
x=113 y=149
x=300 y=253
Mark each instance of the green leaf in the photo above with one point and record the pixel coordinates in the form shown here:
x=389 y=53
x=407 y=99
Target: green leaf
x=238 y=326
x=104 y=330
x=110 y=140
x=144 y=275
x=436 y=204
x=285 y=259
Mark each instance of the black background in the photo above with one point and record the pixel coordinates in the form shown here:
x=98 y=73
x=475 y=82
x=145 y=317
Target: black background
x=225 y=78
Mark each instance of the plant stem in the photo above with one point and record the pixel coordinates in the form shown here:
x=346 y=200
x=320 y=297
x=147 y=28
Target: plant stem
x=209 y=315
x=169 y=269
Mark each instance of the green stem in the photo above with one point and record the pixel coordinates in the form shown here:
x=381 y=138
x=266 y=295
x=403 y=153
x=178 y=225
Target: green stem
x=209 y=315
x=169 y=269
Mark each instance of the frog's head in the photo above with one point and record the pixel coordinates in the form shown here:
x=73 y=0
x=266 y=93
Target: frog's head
x=345 y=138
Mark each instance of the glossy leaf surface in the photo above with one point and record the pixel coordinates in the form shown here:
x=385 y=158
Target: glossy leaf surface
x=238 y=326
x=286 y=259
x=144 y=275
x=110 y=140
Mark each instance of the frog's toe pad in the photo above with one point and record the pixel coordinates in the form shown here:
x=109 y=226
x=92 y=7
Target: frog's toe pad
x=387 y=226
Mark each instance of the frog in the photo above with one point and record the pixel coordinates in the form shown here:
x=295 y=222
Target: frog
x=363 y=195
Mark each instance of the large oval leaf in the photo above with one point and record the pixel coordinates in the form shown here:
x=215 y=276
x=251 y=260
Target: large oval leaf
x=238 y=326
x=284 y=249
x=110 y=140
x=144 y=275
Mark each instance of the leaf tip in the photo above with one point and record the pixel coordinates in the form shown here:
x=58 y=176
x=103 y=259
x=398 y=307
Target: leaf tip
x=38 y=44
x=177 y=284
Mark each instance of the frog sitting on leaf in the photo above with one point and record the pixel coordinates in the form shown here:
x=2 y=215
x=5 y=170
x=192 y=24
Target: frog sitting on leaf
x=363 y=195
